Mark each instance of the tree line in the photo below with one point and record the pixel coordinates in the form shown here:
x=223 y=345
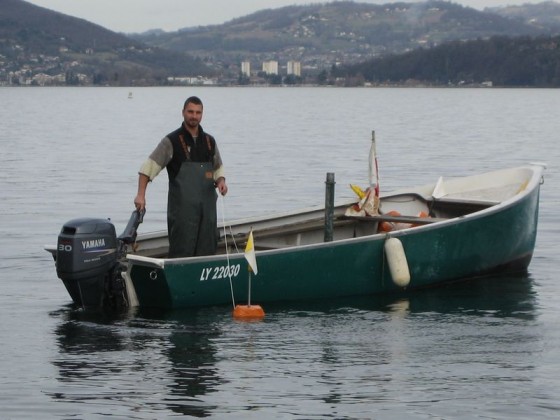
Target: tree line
x=504 y=61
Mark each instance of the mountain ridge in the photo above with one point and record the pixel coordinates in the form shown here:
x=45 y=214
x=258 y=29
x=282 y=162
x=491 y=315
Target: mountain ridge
x=37 y=41
x=342 y=31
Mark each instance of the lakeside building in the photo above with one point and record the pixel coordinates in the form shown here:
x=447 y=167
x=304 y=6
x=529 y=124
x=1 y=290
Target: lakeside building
x=246 y=68
x=294 y=67
x=270 y=67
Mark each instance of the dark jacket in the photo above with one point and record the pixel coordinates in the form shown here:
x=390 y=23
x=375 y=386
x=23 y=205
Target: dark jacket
x=186 y=149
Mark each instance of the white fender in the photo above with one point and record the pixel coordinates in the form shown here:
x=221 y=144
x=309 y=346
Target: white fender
x=398 y=265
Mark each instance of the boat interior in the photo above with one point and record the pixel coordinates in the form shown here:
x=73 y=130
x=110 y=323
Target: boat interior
x=403 y=211
x=308 y=226
x=430 y=204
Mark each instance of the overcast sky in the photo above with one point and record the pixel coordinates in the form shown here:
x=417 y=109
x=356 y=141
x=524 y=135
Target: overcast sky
x=170 y=15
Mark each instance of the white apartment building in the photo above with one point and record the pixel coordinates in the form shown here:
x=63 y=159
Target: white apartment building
x=294 y=67
x=246 y=68
x=270 y=67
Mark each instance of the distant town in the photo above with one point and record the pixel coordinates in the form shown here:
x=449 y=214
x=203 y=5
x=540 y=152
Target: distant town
x=45 y=70
x=269 y=73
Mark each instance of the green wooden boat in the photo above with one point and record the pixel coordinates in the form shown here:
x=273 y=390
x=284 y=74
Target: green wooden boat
x=481 y=225
x=478 y=225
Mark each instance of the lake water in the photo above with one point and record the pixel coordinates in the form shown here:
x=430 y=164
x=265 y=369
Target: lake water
x=484 y=349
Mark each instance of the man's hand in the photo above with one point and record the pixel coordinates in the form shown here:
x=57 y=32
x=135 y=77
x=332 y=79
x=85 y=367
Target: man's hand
x=140 y=202
x=221 y=185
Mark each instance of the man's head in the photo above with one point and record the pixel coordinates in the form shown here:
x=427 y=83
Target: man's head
x=192 y=111
x=192 y=100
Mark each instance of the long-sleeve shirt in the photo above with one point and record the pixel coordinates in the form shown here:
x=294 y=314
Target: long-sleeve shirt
x=165 y=154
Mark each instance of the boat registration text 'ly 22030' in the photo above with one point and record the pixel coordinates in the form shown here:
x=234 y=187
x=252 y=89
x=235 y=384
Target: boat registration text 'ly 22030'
x=221 y=272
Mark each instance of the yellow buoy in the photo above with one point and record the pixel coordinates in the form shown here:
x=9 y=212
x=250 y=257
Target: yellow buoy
x=248 y=312
x=398 y=265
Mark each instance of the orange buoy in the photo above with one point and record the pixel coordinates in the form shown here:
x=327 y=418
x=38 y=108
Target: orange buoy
x=248 y=312
x=388 y=226
x=422 y=215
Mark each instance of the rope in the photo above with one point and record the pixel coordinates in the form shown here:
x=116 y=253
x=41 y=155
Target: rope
x=227 y=251
x=233 y=239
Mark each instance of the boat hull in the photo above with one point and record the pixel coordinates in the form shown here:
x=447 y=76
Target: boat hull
x=497 y=239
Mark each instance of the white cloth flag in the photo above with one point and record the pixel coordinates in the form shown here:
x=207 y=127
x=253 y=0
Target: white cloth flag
x=373 y=169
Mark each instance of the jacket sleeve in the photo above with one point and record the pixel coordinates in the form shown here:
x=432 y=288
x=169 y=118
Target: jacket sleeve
x=158 y=159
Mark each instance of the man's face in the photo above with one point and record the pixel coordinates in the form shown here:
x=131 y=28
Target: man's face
x=192 y=115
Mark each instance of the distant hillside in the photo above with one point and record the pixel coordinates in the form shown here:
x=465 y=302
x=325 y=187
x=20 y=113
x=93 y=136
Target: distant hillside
x=340 y=38
x=543 y=16
x=43 y=31
x=499 y=61
x=36 y=39
x=323 y=34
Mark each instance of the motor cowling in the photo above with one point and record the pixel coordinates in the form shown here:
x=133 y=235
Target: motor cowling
x=86 y=257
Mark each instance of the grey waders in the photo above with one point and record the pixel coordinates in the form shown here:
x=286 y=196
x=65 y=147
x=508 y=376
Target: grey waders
x=191 y=211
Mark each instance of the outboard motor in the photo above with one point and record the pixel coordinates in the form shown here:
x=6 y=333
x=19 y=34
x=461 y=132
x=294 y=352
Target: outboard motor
x=89 y=260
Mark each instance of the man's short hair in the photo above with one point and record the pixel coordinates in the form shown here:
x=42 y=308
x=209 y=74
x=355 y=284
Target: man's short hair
x=193 y=100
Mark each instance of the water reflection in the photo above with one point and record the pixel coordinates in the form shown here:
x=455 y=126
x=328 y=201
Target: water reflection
x=509 y=295
x=351 y=351
x=501 y=296
x=159 y=360
x=192 y=356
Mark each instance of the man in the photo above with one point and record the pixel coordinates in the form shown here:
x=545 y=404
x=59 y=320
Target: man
x=195 y=170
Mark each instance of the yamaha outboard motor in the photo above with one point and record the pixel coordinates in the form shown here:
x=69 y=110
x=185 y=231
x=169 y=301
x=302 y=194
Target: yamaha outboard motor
x=89 y=260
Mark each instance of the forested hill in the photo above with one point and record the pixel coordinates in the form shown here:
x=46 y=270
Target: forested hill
x=545 y=15
x=42 y=30
x=499 y=61
x=320 y=34
x=38 y=40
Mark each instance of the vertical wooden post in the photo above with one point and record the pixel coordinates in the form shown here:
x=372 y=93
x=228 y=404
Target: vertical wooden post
x=329 y=207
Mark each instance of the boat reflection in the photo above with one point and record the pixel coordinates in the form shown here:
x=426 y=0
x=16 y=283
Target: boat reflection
x=129 y=354
x=500 y=296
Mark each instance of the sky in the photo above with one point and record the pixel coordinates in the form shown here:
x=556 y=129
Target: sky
x=170 y=15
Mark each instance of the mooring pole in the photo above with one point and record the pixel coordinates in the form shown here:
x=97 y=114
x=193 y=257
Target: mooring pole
x=329 y=207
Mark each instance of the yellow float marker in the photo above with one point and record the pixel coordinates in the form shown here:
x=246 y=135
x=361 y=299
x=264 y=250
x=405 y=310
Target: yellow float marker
x=359 y=192
x=249 y=312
